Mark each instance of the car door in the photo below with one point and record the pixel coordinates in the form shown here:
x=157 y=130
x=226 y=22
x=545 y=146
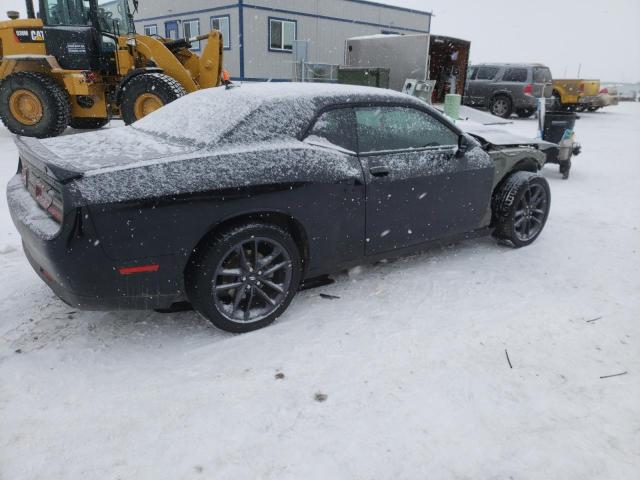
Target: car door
x=340 y=196
x=417 y=188
x=468 y=88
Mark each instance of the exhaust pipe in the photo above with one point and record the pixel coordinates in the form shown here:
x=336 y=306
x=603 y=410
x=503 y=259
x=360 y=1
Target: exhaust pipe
x=31 y=13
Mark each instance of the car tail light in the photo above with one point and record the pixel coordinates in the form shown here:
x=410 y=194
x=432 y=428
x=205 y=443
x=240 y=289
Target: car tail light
x=45 y=195
x=604 y=90
x=24 y=174
x=528 y=89
x=55 y=212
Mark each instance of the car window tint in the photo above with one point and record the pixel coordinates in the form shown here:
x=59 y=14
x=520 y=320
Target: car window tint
x=400 y=128
x=515 y=75
x=542 y=75
x=487 y=73
x=471 y=72
x=336 y=127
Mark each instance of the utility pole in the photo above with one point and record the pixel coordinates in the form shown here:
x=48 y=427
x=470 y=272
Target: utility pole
x=579 y=69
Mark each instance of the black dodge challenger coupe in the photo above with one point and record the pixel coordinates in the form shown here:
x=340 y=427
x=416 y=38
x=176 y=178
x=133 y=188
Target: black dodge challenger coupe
x=229 y=199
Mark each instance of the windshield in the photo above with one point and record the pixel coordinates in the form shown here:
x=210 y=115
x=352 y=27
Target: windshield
x=112 y=15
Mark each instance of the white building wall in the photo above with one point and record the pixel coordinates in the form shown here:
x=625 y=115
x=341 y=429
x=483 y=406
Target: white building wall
x=325 y=23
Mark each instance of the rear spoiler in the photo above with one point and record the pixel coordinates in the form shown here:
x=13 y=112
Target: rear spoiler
x=32 y=151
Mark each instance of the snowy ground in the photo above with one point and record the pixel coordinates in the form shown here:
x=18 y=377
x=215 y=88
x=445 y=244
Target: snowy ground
x=411 y=359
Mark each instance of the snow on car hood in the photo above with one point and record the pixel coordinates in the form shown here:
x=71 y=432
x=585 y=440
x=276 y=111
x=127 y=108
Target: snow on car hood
x=112 y=147
x=498 y=137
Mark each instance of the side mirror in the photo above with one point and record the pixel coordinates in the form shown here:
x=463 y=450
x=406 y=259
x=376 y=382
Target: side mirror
x=463 y=146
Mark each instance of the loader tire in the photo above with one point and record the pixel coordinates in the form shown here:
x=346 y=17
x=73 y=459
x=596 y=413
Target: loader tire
x=34 y=105
x=146 y=93
x=88 y=123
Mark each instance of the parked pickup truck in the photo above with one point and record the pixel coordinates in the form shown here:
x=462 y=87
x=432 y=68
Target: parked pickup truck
x=575 y=94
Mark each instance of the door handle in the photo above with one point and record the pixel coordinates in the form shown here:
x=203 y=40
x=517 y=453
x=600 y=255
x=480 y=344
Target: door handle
x=379 y=171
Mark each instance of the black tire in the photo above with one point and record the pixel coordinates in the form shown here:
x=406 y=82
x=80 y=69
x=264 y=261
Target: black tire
x=88 y=123
x=55 y=108
x=164 y=87
x=219 y=255
x=525 y=113
x=515 y=207
x=501 y=106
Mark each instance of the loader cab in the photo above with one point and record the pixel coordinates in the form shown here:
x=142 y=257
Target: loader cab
x=83 y=34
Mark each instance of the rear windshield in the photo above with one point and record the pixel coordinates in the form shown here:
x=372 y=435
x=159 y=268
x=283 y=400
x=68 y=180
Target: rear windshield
x=541 y=75
x=205 y=116
x=249 y=113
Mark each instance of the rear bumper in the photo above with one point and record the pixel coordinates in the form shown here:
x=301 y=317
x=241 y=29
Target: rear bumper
x=587 y=100
x=526 y=101
x=73 y=264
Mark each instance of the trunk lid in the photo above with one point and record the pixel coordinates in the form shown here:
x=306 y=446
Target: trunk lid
x=73 y=156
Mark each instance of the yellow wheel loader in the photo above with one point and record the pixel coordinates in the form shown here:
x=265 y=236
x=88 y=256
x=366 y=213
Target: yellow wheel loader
x=81 y=63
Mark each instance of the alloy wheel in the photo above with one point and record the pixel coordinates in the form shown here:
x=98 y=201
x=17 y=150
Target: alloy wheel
x=500 y=107
x=531 y=211
x=252 y=280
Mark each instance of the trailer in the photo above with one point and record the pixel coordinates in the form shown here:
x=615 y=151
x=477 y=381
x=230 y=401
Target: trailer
x=422 y=57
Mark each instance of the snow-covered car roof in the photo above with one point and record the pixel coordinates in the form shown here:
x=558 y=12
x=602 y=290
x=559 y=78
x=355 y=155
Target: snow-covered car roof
x=258 y=111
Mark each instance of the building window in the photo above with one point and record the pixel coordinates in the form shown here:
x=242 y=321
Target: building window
x=223 y=25
x=191 y=28
x=171 y=29
x=282 y=34
x=150 y=30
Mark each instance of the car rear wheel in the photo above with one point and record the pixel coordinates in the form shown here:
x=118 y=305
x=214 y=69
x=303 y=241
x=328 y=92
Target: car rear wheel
x=521 y=208
x=146 y=93
x=244 y=278
x=501 y=106
x=34 y=105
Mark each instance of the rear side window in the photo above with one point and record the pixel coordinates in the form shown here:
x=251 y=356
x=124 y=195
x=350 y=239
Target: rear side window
x=487 y=73
x=400 y=128
x=515 y=75
x=542 y=75
x=335 y=127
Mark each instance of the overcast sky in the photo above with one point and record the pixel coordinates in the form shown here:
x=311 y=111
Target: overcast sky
x=603 y=35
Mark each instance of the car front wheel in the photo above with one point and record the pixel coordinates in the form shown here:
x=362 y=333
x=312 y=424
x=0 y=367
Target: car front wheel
x=244 y=278
x=521 y=208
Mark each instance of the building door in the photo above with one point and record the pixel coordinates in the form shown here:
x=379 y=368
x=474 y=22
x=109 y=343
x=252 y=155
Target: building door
x=171 y=29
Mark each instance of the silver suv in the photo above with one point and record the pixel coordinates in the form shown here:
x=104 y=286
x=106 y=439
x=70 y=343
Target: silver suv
x=505 y=88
